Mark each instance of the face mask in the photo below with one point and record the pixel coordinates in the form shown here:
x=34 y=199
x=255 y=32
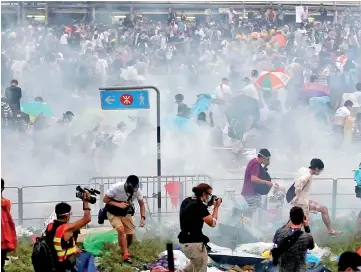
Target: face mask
x=129 y=188
x=209 y=198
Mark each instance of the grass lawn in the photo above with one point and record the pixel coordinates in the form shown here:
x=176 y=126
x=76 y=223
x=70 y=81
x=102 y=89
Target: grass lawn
x=148 y=250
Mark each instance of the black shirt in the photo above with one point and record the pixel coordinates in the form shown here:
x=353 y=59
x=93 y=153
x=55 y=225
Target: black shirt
x=192 y=212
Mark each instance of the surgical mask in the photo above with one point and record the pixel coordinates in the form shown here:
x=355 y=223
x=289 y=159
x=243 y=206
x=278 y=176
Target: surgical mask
x=208 y=199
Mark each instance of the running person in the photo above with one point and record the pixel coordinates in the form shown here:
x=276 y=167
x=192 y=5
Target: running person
x=251 y=177
x=303 y=185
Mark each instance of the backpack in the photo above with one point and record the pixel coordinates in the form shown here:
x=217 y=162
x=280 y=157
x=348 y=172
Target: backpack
x=263 y=189
x=44 y=257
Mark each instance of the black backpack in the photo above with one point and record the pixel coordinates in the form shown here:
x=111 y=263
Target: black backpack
x=263 y=189
x=44 y=257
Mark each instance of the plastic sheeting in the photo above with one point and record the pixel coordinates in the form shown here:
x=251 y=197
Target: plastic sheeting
x=94 y=242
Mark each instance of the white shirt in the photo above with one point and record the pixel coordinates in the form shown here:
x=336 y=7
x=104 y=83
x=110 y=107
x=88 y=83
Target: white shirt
x=118 y=193
x=303 y=182
x=173 y=30
x=163 y=43
x=51 y=219
x=342 y=112
x=231 y=15
x=119 y=137
x=341 y=115
x=64 y=39
x=224 y=91
x=17 y=68
x=200 y=32
x=304 y=16
x=101 y=66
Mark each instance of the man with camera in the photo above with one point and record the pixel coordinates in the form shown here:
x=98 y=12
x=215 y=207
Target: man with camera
x=292 y=243
x=193 y=213
x=120 y=211
x=60 y=236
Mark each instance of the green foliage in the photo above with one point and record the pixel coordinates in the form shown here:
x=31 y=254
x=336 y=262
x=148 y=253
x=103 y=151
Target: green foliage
x=147 y=251
x=21 y=258
x=341 y=244
x=143 y=252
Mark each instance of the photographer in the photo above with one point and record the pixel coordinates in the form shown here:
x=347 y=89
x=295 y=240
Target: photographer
x=292 y=243
x=120 y=211
x=193 y=214
x=63 y=236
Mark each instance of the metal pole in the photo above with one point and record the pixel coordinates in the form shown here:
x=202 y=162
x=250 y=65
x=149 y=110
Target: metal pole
x=159 y=157
x=20 y=206
x=334 y=199
x=170 y=256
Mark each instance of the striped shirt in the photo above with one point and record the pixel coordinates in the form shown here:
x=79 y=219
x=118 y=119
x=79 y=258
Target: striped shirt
x=5 y=113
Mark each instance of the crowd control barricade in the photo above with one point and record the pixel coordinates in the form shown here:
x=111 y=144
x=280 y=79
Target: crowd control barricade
x=174 y=189
x=32 y=205
x=37 y=202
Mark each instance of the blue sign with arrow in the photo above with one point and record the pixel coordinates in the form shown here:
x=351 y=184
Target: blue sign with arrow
x=124 y=100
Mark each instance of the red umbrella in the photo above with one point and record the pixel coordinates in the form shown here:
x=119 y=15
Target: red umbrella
x=272 y=80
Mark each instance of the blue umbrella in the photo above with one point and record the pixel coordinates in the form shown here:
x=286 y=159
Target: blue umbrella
x=35 y=108
x=178 y=123
x=203 y=104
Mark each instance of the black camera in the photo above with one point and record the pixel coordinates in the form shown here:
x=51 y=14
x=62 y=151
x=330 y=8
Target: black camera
x=213 y=199
x=80 y=193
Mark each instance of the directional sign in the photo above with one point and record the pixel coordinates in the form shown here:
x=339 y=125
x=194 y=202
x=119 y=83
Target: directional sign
x=124 y=100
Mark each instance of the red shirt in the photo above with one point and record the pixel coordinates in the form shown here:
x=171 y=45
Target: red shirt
x=253 y=169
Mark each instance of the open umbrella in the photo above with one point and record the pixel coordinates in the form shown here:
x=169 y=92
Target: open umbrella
x=203 y=104
x=35 y=108
x=272 y=80
x=315 y=89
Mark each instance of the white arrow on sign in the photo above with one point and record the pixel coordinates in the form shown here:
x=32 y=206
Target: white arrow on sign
x=109 y=99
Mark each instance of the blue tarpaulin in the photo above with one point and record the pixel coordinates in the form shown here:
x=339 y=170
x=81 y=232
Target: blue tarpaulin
x=84 y=263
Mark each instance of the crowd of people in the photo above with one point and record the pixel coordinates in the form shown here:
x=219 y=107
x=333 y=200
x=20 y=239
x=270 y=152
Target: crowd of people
x=316 y=83
x=77 y=58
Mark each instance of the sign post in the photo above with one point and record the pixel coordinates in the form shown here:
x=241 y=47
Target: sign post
x=131 y=98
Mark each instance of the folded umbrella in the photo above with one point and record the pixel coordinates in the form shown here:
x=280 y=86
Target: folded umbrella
x=35 y=108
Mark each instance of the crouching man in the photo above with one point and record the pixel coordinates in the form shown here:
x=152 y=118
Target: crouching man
x=60 y=238
x=119 y=201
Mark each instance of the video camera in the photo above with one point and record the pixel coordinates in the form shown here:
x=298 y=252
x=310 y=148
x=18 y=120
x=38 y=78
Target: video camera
x=80 y=193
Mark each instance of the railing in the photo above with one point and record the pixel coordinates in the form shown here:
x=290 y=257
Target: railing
x=328 y=191
x=47 y=196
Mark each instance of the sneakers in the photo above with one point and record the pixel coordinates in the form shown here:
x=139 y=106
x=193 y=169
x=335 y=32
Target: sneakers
x=127 y=259
x=335 y=233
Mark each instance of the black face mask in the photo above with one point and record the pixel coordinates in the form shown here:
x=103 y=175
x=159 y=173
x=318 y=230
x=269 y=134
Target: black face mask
x=130 y=188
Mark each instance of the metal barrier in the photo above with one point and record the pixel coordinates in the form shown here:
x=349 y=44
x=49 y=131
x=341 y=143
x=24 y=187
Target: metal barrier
x=322 y=190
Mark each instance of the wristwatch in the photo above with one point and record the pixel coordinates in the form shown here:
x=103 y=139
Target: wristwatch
x=143 y=217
